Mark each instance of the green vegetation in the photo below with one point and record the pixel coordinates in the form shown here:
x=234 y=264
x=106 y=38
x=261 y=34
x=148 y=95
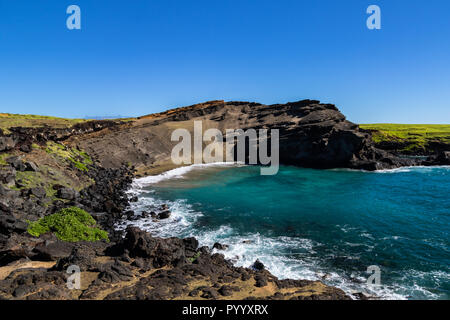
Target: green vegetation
x=79 y=158
x=69 y=224
x=3 y=158
x=411 y=137
x=195 y=257
x=8 y=120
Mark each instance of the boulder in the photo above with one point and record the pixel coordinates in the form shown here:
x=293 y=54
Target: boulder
x=7 y=143
x=38 y=192
x=164 y=215
x=219 y=246
x=53 y=250
x=16 y=162
x=8 y=175
x=67 y=193
x=443 y=158
x=257 y=265
x=31 y=166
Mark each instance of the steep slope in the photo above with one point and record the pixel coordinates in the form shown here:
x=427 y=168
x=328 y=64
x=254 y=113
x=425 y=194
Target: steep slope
x=312 y=134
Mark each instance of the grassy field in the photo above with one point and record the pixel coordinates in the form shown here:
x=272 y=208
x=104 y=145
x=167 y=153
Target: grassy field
x=8 y=120
x=409 y=137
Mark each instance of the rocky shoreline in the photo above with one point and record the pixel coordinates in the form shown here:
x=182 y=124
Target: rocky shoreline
x=137 y=266
x=92 y=165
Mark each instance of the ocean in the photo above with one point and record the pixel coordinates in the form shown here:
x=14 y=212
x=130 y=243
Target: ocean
x=328 y=225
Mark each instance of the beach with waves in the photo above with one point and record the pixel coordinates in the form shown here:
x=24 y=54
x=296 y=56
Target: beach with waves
x=327 y=225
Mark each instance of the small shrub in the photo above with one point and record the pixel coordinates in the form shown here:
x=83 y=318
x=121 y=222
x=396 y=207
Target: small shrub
x=195 y=257
x=69 y=224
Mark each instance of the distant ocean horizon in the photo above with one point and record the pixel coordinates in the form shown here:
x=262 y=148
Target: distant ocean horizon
x=327 y=225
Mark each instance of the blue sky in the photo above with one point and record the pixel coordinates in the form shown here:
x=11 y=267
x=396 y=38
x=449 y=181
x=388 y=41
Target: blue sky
x=137 y=57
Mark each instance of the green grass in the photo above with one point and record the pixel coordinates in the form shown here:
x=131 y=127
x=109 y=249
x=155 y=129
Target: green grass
x=8 y=120
x=69 y=224
x=414 y=137
x=195 y=257
x=3 y=157
x=79 y=158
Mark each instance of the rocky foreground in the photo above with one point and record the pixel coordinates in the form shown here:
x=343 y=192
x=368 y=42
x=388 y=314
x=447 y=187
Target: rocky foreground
x=91 y=165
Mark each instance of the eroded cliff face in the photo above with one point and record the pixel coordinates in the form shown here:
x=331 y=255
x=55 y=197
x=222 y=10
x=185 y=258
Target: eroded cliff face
x=312 y=134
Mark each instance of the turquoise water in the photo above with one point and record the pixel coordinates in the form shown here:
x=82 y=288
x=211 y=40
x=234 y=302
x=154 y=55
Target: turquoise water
x=317 y=224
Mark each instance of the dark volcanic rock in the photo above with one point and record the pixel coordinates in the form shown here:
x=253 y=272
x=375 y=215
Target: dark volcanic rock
x=311 y=134
x=67 y=193
x=38 y=192
x=7 y=143
x=257 y=265
x=164 y=214
x=220 y=246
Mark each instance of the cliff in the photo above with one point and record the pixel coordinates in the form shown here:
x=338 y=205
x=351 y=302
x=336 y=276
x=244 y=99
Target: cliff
x=312 y=134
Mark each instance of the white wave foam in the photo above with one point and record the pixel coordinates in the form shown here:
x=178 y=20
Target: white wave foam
x=396 y=170
x=285 y=257
x=411 y=169
x=178 y=173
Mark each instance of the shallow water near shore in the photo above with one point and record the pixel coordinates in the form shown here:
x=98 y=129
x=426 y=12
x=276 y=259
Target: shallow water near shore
x=327 y=225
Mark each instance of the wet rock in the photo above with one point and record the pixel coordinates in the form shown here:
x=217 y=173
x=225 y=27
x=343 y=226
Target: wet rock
x=219 y=246
x=257 y=265
x=164 y=215
x=442 y=158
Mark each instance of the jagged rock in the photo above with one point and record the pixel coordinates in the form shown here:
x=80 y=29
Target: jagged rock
x=220 y=246
x=7 y=143
x=257 y=265
x=16 y=162
x=141 y=244
x=312 y=134
x=38 y=192
x=164 y=215
x=67 y=193
x=26 y=148
x=443 y=158
x=260 y=280
x=53 y=250
x=8 y=175
x=226 y=291
x=210 y=293
x=31 y=166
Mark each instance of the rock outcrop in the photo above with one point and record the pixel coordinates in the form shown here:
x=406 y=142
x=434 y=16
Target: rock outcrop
x=143 y=267
x=312 y=134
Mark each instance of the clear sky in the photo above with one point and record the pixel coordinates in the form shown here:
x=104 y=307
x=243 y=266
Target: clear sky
x=137 y=57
